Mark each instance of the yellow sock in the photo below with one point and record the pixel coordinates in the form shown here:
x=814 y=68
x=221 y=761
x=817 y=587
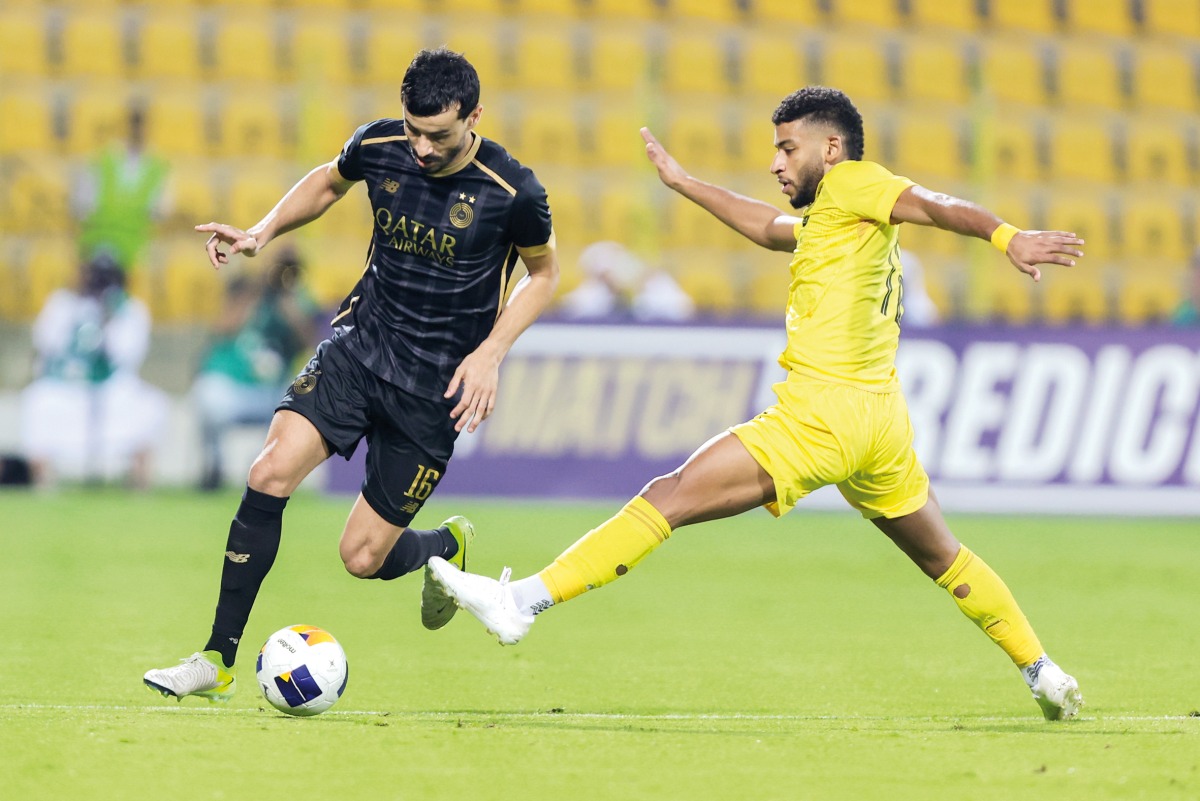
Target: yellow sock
x=984 y=598
x=607 y=551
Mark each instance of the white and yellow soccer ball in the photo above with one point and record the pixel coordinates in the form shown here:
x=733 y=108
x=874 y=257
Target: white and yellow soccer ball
x=302 y=670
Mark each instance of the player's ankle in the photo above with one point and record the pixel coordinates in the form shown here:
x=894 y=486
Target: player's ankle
x=531 y=595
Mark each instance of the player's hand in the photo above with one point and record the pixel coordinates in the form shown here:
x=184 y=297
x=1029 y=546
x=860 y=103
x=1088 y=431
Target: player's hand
x=238 y=241
x=478 y=376
x=1028 y=249
x=669 y=171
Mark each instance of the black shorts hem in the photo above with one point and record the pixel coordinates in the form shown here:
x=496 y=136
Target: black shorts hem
x=400 y=519
x=330 y=446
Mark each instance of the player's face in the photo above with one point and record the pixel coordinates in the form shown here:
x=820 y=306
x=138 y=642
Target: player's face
x=438 y=140
x=802 y=156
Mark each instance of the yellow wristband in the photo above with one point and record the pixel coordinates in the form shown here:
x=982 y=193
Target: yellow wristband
x=1003 y=235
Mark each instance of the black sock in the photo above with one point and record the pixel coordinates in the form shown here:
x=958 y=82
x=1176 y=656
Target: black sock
x=249 y=553
x=413 y=550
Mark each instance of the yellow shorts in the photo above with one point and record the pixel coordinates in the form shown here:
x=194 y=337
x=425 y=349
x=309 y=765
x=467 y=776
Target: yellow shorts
x=821 y=433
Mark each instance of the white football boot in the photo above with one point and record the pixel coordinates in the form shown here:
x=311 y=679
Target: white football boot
x=201 y=674
x=436 y=607
x=1056 y=693
x=489 y=600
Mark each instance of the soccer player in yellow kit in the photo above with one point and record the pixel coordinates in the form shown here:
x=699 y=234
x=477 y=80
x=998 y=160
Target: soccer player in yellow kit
x=840 y=418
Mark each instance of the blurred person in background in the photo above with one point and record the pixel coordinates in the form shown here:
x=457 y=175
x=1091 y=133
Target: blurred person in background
x=120 y=198
x=919 y=309
x=841 y=417
x=618 y=284
x=1187 y=314
x=266 y=323
x=88 y=414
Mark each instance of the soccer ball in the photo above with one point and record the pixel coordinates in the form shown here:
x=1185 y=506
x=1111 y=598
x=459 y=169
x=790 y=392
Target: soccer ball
x=302 y=670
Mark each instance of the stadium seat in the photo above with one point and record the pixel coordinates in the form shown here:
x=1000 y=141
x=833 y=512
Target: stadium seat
x=720 y=11
x=614 y=137
x=959 y=15
x=772 y=63
x=389 y=44
x=755 y=147
x=929 y=147
x=1007 y=297
x=97 y=116
x=465 y=7
x=1088 y=74
x=1089 y=215
x=695 y=61
x=697 y=138
x=1109 y=17
x=245 y=48
x=540 y=9
x=1157 y=151
x=52 y=264
x=544 y=57
x=325 y=119
x=334 y=264
x=319 y=50
x=791 y=13
x=183 y=286
x=707 y=276
x=1149 y=293
x=627 y=213
x=23 y=42
x=194 y=198
x=168 y=44
x=1082 y=149
x=1164 y=77
x=1153 y=229
x=249 y=123
x=483 y=47
x=627 y=9
x=934 y=68
x=856 y=13
x=1172 y=18
x=36 y=196
x=689 y=226
x=928 y=240
x=618 y=58
x=349 y=217
x=1007 y=146
x=1035 y=16
x=26 y=122
x=1079 y=294
x=548 y=135
x=569 y=214
x=92 y=44
x=177 y=121
x=254 y=189
x=856 y=64
x=1013 y=69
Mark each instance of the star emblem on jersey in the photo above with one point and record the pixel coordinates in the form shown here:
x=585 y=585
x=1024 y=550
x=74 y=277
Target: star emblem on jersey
x=390 y=185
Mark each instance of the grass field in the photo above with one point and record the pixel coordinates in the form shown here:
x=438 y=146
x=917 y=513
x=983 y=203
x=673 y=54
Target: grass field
x=747 y=659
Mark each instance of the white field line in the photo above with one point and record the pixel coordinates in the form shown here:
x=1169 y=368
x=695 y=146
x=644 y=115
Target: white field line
x=428 y=715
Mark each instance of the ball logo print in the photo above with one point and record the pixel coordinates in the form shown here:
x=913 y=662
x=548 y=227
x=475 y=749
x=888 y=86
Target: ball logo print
x=302 y=670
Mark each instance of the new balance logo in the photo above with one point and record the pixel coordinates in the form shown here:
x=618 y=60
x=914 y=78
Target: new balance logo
x=237 y=558
x=410 y=507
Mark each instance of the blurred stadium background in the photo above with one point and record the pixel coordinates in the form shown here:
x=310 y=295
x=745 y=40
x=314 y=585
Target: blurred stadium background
x=1072 y=114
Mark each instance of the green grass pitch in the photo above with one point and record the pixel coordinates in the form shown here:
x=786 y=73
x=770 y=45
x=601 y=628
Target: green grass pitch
x=746 y=659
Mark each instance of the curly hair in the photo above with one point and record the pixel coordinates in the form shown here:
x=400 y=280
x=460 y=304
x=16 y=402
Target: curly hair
x=826 y=105
x=438 y=79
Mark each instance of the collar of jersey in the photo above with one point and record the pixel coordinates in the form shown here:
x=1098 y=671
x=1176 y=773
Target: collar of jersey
x=466 y=158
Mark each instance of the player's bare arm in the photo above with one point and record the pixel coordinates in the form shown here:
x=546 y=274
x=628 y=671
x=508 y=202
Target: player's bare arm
x=306 y=201
x=479 y=373
x=1026 y=250
x=759 y=222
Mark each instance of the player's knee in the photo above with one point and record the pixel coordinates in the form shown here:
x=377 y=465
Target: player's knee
x=267 y=476
x=361 y=563
x=662 y=492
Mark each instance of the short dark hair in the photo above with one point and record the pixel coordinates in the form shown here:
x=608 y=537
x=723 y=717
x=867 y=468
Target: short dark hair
x=438 y=79
x=822 y=104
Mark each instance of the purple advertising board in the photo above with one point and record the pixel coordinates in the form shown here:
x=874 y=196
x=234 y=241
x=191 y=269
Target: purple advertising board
x=1007 y=419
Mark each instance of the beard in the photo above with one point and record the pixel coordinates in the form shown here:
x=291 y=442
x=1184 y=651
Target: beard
x=806 y=186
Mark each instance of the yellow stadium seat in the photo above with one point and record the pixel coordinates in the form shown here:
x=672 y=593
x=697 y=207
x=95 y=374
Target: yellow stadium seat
x=722 y=11
x=755 y=149
x=1164 y=76
x=349 y=217
x=26 y=122
x=389 y=46
x=1078 y=294
x=773 y=63
x=250 y=124
x=959 y=15
x=767 y=290
x=1110 y=17
x=1008 y=298
x=568 y=212
x=184 y=286
x=333 y=265
x=1082 y=149
x=92 y=44
x=929 y=146
x=548 y=8
x=97 y=116
x=618 y=58
x=319 y=50
x=481 y=45
x=854 y=13
x=629 y=9
x=1088 y=215
x=194 y=198
x=254 y=189
x=615 y=139
x=1037 y=16
x=37 y=197
x=1013 y=205
x=1013 y=69
x=544 y=56
x=929 y=240
x=168 y=44
x=934 y=68
x=696 y=137
x=1157 y=151
x=1007 y=147
x=324 y=121
x=490 y=7
x=176 y=121
x=1153 y=228
x=1149 y=292
x=23 y=42
x=631 y=214
x=244 y=48
x=707 y=276
x=1088 y=74
x=856 y=64
x=695 y=61
x=548 y=135
x=1179 y=18
x=786 y=12
x=689 y=226
x=53 y=263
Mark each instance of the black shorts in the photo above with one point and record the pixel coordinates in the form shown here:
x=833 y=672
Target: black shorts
x=409 y=439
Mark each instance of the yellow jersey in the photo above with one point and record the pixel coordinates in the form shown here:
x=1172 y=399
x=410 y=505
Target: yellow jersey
x=844 y=302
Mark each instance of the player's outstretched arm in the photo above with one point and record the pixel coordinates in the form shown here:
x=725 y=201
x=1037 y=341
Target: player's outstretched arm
x=306 y=201
x=759 y=222
x=1025 y=249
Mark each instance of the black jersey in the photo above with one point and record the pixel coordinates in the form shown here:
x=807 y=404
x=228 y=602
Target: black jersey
x=441 y=255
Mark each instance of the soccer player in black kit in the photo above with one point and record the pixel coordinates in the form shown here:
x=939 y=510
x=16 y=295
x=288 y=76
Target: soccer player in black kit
x=415 y=352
